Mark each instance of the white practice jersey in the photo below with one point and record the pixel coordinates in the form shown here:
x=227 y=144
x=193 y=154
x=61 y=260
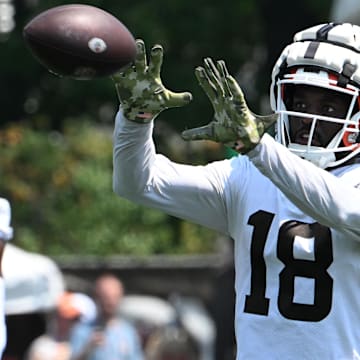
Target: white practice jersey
x=296 y=232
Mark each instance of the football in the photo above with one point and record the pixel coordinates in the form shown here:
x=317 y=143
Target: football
x=82 y=42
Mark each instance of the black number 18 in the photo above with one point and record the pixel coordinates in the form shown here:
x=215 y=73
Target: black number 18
x=316 y=269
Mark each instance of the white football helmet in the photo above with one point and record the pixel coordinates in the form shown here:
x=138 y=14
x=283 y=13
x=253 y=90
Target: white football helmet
x=326 y=56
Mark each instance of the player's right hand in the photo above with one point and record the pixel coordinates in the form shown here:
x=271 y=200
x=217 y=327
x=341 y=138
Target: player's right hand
x=140 y=90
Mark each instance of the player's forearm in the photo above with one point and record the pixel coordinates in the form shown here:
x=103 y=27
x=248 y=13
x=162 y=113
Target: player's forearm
x=150 y=179
x=133 y=155
x=321 y=195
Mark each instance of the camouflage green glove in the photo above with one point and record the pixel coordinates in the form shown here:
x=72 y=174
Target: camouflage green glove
x=140 y=90
x=234 y=124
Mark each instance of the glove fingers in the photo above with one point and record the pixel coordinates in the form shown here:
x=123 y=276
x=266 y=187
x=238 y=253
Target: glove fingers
x=265 y=122
x=178 y=99
x=235 y=89
x=222 y=68
x=213 y=131
x=224 y=73
x=117 y=78
x=140 y=59
x=200 y=133
x=214 y=75
x=205 y=83
x=156 y=60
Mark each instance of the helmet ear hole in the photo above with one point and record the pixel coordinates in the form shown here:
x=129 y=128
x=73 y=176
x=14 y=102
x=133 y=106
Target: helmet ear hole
x=353 y=137
x=350 y=138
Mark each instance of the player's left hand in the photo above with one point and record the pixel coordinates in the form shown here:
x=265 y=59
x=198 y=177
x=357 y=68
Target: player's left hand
x=233 y=124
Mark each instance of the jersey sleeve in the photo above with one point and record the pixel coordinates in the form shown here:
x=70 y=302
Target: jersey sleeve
x=194 y=193
x=326 y=198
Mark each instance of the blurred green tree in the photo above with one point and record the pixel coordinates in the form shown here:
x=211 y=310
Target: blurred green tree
x=60 y=187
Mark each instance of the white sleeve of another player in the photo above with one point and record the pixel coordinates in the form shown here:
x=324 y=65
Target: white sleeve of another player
x=321 y=195
x=193 y=193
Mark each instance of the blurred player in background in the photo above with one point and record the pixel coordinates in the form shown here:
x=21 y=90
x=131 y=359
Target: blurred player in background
x=6 y=234
x=71 y=307
x=108 y=336
x=292 y=205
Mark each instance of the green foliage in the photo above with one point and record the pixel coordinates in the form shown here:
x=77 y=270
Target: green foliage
x=60 y=188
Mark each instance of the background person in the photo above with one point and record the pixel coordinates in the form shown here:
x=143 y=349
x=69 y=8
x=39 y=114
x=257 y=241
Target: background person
x=108 y=336
x=54 y=344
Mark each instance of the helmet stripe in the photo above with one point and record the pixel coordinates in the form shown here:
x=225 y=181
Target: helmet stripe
x=322 y=33
x=311 y=50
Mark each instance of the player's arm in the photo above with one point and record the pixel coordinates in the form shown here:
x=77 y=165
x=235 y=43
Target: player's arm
x=332 y=201
x=142 y=97
x=145 y=177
